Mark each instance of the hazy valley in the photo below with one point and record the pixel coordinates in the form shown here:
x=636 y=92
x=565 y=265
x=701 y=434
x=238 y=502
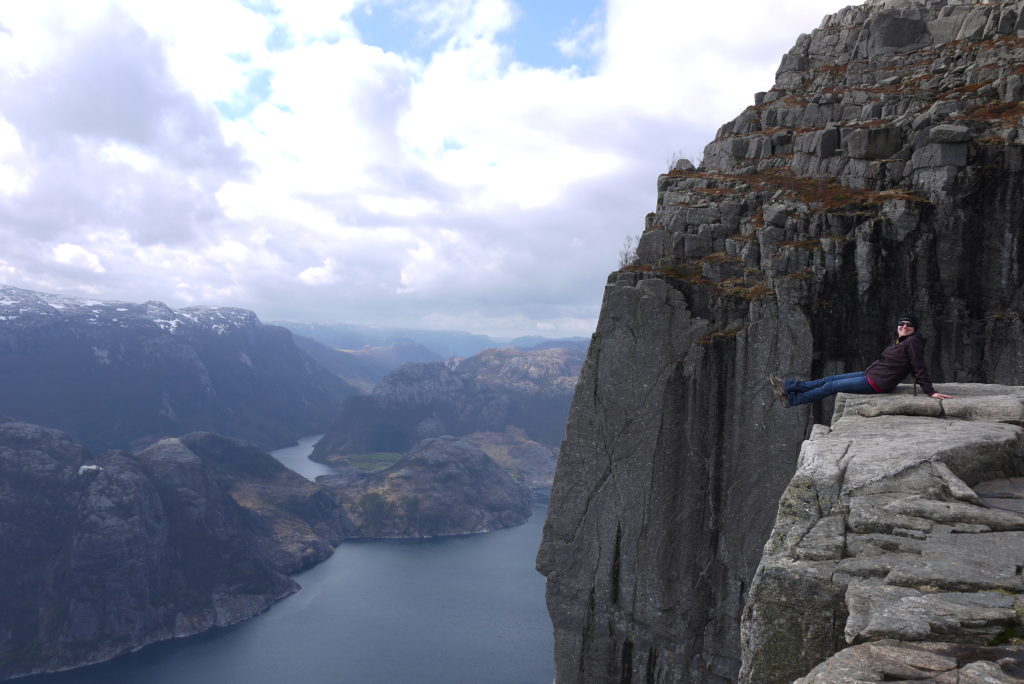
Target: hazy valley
x=126 y=526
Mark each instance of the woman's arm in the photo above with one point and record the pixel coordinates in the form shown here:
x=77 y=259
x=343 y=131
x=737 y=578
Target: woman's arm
x=915 y=352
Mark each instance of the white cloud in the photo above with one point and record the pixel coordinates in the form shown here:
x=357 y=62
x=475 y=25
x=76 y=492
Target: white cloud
x=320 y=275
x=461 y=22
x=77 y=256
x=15 y=167
x=205 y=152
x=133 y=157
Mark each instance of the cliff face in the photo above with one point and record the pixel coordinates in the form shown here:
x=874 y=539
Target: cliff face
x=898 y=535
x=105 y=554
x=881 y=173
x=120 y=375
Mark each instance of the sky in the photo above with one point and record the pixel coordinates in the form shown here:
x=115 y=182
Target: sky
x=442 y=164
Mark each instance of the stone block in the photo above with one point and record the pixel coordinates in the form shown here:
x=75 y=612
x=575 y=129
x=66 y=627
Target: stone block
x=653 y=245
x=936 y=181
x=1007 y=21
x=1000 y=409
x=890 y=32
x=736 y=147
x=888 y=612
x=776 y=215
x=824 y=541
x=963 y=563
x=890 y=660
x=939 y=154
x=722 y=270
x=874 y=143
x=973 y=27
x=697 y=246
x=944 y=108
x=734 y=247
x=944 y=29
x=821 y=144
x=1012 y=88
x=950 y=133
x=683 y=165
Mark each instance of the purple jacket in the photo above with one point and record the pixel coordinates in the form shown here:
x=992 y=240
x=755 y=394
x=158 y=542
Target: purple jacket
x=897 y=361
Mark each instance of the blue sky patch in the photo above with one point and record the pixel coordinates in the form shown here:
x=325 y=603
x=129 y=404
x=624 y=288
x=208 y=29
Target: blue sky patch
x=542 y=23
x=280 y=39
x=265 y=7
x=384 y=27
x=532 y=39
x=257 y=91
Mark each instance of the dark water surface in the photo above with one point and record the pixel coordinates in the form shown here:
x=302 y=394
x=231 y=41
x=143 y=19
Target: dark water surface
x=454 y=610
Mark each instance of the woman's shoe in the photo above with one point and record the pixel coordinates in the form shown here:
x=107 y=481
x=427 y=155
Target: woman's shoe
x=779 y=389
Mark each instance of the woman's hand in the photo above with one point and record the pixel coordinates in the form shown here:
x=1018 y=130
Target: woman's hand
x=936 y=395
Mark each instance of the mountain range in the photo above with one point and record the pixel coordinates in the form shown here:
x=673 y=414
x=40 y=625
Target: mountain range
x=445 y=343
x=122 y=375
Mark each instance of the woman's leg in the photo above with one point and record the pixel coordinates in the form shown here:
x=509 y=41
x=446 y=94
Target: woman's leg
x=853 y=383
x=805 y=385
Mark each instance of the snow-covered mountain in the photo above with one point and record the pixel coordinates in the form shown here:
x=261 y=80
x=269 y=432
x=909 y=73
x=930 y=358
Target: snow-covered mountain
x=122 y=374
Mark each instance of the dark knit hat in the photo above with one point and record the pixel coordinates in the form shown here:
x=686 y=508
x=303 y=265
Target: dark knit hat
x=909 y=317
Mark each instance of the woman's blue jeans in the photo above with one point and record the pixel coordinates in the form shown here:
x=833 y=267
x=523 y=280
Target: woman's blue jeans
x=806 y=391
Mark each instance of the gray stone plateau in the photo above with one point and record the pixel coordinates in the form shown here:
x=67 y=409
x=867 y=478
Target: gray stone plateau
x=880 y=536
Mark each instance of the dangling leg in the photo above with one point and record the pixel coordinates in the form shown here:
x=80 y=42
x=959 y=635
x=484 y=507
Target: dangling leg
x=853 y=383
x=807 y=385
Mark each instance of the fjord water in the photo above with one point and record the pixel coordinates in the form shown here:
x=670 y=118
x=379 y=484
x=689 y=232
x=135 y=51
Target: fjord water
x=452 y=610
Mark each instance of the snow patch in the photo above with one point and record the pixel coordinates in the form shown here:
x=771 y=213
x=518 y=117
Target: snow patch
x=169 y=326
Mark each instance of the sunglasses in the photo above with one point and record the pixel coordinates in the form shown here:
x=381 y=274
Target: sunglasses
x=905 y=324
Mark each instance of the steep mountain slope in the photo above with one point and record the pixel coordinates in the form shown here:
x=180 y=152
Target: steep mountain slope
x=115 y=374
x=881 y=173
x=105 y=554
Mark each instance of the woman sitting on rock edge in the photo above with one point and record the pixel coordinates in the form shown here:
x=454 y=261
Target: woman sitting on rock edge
x=900 y=358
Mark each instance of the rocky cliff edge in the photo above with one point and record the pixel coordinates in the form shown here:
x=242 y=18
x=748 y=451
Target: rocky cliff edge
x=898 y=547
x=883 y=172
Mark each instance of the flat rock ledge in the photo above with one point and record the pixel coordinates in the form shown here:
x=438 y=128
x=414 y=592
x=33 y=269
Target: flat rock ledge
x=898 y=550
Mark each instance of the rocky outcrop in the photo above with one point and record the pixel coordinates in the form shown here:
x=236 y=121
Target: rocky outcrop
x=528 y=462
x=882 y=173
x=120 y=375
x=892 y=661
x=445 y=486
x=298 y=523
x=105 y=554
x=483 y=393
x=881 y=540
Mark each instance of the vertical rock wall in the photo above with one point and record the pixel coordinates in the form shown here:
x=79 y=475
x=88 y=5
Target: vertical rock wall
x=882 y=173
x=659 y=507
